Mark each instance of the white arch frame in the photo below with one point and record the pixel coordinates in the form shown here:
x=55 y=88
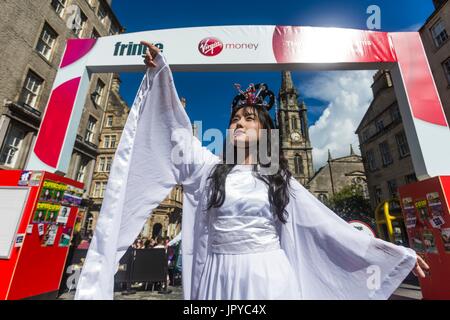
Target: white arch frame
x=252 y=48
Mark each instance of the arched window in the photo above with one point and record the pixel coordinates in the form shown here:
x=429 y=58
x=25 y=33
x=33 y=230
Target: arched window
x=298 y=165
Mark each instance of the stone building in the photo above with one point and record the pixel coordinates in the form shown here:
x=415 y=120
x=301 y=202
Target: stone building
x=166 y=218
x=337 y=174
x=435 y=35
x=33 y=35
x=116 y=114
x=383 y=143
x=292 y=121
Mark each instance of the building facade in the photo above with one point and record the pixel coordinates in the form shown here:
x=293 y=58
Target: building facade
x=116 y=114
x=292 y=121
x=337 y=174
x=383 y=143
x=33 y=36
x=435 y=34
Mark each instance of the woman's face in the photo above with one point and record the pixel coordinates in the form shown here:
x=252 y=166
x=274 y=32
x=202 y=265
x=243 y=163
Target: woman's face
x=245 y=127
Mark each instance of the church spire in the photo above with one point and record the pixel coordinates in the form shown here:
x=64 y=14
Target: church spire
x=352 y=152
x=287 y=85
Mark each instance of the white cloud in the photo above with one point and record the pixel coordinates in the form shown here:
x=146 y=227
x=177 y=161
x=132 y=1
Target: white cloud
x=348 y=94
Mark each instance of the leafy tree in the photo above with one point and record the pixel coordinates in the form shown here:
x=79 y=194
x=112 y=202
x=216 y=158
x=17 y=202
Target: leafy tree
x=350 y=204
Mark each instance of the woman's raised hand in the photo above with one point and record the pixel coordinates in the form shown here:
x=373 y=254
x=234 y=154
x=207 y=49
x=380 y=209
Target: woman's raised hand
x=420 y=268
x=150 y=55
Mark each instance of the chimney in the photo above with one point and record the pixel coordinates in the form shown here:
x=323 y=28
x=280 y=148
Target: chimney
x=438 y=3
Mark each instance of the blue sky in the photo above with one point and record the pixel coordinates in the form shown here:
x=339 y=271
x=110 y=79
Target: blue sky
x=209 y=94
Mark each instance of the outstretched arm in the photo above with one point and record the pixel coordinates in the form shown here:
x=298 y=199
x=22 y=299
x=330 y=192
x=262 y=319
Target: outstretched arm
x=146 y=167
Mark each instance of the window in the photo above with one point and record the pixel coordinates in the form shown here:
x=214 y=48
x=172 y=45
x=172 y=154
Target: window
x=81 y=174
x=379 y=125
x=109 y=142
x=370 y=157
x=395 y=114
x=31 y=89
x=79 y=27
x=59 y=6
x=385 y=153
x=101 y=13
x=90 y=130
x=439 y=33
x=446 y=65
x=365 y=135
x=294 y=125
x=11 y=147
x=109 y=121
x=95 y=34
x=101 y=165
x=114 y=29
x=108 y=164
x=378 y=194
x=46 y=42
x=99 y=189
x=97 y=95
x=392 y=187
x=298 y=165
x=104 y=164
x=410 y=178
x=106 y=142
x=402 y=144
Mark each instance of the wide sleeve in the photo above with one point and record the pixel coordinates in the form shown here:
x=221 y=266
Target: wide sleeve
x=157 y=150
x=333 y=260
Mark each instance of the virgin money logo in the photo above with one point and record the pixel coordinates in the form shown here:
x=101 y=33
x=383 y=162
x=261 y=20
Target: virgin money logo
x=210 y=47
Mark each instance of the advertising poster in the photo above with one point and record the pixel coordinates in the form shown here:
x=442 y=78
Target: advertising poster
x=436 y=221
x=64 y=241
x=445 y=236
x=409 y=212
x=52 y=213
x=41 y=229
x=63 y=215
x=25 y=178
x=52 y=191
x=421 y=207
x=417 y=242
x=35 y=179
x=72 y=196
x=50 y=236
x=429 y=242
x=19 y=240
x=40 y=213
x=434 y=202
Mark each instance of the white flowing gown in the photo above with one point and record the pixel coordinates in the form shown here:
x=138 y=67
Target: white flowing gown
x=246 y=260
x=237 y=251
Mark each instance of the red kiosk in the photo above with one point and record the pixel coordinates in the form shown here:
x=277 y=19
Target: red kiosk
x=426 y=209
x=38 y=211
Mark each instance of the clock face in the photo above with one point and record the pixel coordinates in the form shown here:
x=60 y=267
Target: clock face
x=295 y=136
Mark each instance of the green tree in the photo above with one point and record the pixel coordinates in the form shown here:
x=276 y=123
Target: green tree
x=350 y=204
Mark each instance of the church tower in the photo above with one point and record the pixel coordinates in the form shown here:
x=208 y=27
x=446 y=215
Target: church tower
x=292 y=121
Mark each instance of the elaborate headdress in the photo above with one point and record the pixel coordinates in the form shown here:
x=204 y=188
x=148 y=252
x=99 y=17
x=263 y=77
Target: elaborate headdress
x=257 y=95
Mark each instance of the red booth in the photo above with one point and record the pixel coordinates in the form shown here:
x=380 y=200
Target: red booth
x=426 y=209
x=37 y=216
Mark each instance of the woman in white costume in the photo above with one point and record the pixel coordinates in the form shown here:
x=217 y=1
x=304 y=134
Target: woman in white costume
x=246 y=234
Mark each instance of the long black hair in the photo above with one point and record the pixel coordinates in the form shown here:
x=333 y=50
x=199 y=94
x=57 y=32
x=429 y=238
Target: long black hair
x=278 y=183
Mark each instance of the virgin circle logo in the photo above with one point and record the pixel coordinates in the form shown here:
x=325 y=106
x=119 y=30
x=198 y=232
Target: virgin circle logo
x=210 y=47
